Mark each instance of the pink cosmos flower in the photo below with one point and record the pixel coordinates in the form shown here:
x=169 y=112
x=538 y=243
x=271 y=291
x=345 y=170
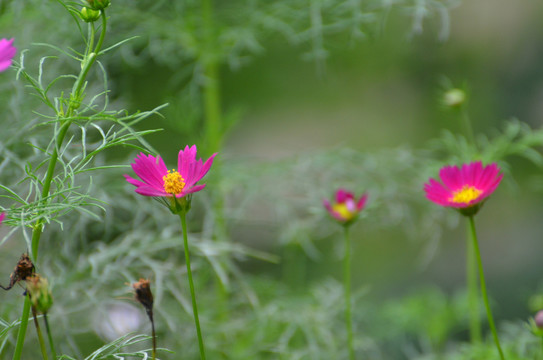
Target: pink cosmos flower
x=345 y=208
x=158 y=181
x=7 y=52
x=465 y=187
x=2 y=216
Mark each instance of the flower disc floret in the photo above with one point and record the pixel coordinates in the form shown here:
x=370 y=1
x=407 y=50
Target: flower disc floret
x=345 y=208
x=173 y=182
x=465 y=187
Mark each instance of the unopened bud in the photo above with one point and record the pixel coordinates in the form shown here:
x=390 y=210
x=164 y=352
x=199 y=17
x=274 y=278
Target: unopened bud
x=454 y=98
x=538 y=318
x=89 y=15
x=98 y=4
x=40 y=295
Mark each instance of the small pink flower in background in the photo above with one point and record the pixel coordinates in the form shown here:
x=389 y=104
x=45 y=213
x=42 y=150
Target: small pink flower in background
x=464 y=187
x=158 y=181
x=7 y=52
x=2 y=216
x=346 y=207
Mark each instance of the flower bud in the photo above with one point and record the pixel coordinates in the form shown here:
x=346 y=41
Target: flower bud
x=89 y=15
x=538 y=318
x=98 y=4
x=454 y=98
x=40 y=295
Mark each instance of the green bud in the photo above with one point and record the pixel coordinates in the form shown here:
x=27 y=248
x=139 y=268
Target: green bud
x=98 y=4
x=89 y=15
x=40 y=295
x=454 y=98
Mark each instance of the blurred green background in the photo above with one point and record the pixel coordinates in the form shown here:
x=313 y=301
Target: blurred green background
x=292 y=92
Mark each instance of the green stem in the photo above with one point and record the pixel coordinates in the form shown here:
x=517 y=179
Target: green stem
x=473 y=291
x=49 y=336
x=182 y=215
x=153 y=333
x=212 y=97
x=347 y=285
x=483 y=287
x=40 y=336
x=22 y=329
x=75 y=99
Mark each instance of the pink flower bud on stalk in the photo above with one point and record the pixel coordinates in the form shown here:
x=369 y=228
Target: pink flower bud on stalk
x=538 y=319
x=7 y=52
x=464 y=188
x=345 y=209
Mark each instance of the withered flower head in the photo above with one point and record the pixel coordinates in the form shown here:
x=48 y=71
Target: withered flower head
x=22 y=271
x=143 y=294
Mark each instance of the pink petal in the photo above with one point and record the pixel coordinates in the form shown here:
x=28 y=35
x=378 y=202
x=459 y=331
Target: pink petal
x=150 y=169
x=192 y=190
x=7 y=52
x=342 y=195
x=185 y=162
x=2 y=216
x=362 y=202
x=451 y=177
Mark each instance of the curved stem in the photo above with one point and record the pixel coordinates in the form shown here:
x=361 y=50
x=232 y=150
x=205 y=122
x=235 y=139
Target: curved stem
x=182 y=215
x=40 y=336
x=473 y=291
x=347 y=285
x=483 y=287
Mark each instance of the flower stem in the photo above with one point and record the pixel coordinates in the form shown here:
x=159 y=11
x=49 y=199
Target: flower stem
x=473 y=291
x=483 y=287
x=40 y=336
x=153 y=333
x=182 y=215
x=347 y=285
x=75 y=98
x=51 y=343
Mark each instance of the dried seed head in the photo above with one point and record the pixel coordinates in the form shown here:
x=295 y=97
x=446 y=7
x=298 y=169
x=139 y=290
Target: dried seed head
x=22 y=271
x=40 y=295
x=143 y=294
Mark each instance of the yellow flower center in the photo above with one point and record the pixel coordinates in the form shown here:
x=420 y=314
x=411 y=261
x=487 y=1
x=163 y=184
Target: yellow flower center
x=465 y=195
x=173 y=182
x=343 y=211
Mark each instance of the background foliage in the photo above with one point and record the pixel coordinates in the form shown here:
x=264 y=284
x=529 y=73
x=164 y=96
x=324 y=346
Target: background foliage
x=313 y=95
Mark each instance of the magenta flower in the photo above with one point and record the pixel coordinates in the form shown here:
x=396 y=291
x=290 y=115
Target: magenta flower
x=345 y=208
x=2 y=216
x=7 y=52
x=464 y=188
x=158 y=181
